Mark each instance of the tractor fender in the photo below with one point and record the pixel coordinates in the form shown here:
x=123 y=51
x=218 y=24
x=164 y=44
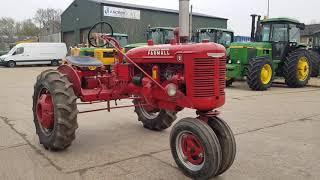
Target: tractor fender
x=73 y=77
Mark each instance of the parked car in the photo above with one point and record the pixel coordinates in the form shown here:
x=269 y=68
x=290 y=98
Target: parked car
x=34 y=54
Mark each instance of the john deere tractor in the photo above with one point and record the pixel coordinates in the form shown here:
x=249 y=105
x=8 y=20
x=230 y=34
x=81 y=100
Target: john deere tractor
x=275 y=52
x=159 y=35
x=216 y=35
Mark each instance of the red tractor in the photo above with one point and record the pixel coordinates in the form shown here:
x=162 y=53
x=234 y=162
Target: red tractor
x=161 y=80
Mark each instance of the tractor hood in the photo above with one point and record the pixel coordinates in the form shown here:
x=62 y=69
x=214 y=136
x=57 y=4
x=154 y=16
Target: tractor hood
x=131 y=46
x=174 y=53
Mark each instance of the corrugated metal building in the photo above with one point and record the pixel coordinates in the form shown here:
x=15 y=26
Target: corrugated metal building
x=125 y=18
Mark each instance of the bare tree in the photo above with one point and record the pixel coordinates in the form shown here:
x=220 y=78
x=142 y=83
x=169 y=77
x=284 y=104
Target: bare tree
x=27 y=28
x=48 y=17
x=7 y=27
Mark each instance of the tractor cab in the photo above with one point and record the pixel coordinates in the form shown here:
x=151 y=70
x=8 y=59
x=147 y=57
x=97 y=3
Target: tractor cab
x=216 y=35
x=159 y=35
x=121 y=38
x=282 y=33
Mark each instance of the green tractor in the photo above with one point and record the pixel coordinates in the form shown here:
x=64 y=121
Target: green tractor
x=275 y=52
x=159 y=35
x=216 y=35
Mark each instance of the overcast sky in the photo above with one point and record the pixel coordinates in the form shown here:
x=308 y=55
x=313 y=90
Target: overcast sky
x=235 y=10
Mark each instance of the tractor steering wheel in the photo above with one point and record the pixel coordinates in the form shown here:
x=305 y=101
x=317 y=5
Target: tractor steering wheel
x=96 y=31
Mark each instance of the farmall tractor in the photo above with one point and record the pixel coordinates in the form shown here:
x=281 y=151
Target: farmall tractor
x=275 y=52
x=161 y=80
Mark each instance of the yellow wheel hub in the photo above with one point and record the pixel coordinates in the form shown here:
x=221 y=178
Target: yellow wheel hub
x=266 y=74
x=303 y=69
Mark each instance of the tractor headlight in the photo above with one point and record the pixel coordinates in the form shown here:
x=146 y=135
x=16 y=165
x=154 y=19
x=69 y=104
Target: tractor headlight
x=171 y=89
x=229 y=62
x=238 y=62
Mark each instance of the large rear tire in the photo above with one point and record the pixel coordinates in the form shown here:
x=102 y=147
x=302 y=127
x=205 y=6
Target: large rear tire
x=260 y=74
x=315 y=63
x=54 y=110
x=195 y=148
x=227 y=142
x=154 y=120
x=297 y=68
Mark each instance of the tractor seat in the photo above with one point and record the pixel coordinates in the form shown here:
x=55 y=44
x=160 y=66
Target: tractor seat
x=83 y=61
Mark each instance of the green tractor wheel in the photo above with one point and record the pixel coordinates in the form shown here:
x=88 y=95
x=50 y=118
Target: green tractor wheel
x=297 y=69
x=260 y=74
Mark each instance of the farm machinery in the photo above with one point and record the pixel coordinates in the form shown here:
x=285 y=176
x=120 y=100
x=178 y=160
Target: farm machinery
x=275 y=51
x=105 y=54
x=216 y=35
x=161 y=80
x=159 y=35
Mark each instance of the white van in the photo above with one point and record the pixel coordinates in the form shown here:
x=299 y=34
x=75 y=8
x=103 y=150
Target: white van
x=35 y=53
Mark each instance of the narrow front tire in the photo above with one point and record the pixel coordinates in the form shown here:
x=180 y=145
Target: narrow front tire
x=195 y=148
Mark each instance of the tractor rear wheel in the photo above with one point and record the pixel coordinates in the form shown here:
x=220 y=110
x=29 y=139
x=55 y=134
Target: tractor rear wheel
x=195 y=148
x=297 y=69
x=156 y=120
x=227 y=142
x=315 y=63
x=54 y=110
x=260 y=74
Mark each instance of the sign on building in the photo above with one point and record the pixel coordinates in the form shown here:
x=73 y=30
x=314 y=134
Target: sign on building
x=121 y=12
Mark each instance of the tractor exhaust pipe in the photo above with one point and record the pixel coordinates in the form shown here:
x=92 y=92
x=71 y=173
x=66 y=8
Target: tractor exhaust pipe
x=184 y=20
x=253 y=27
x=258 y=29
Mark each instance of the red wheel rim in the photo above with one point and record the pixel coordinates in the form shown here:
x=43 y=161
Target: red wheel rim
x=190 y=150
x=45 y=111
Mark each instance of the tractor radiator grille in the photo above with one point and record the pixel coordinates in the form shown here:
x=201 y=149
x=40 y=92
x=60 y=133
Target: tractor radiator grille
x=209 y=77
x=204 y=74
x=223 y=74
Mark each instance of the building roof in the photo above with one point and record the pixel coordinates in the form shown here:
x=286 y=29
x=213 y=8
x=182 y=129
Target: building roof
x=151 y=8
x=283 y=19
x=310 y=30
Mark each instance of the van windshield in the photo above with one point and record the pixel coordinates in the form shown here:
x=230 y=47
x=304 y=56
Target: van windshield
x=12 y=51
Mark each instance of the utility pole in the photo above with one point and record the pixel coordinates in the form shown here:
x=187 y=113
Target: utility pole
x=268 y=8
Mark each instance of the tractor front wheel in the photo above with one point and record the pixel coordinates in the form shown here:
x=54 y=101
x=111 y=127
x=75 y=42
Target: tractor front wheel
x=195 y=148
x=297 y=69
x=260 y=74
x=54 y=110
x=156 y=120
x=227 y=142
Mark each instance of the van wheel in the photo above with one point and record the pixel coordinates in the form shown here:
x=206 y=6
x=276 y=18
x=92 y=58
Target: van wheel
x=11 y=64
x=54 y=63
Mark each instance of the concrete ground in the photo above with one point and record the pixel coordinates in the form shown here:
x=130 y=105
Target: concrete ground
x=277 y=134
